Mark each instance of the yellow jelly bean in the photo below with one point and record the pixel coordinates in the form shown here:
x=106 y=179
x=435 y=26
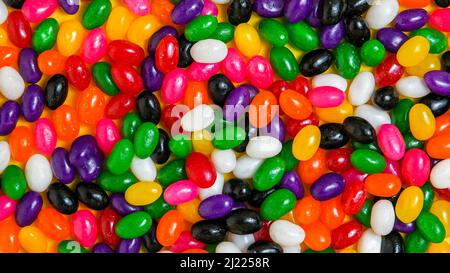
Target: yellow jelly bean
x=3 y=37
x=247 y=40
x=70 y=37
x=142 y=28
x=441 y=209
x=201 y=142
x=189 y=210
x=421 y=121
x=32 y=240
x=118 y=22
x=413 y=51
x=306 y=142
x=143 y=193
x=409 y=204
x=442 y=247
x=335 y=114
x=430 y=63
x=347 y=250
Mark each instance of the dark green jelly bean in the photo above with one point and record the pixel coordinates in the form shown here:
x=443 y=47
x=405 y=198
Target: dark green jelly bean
x=284 y=63
x=103 y=78
x=200 y=28
x=412 y=142
x=430 y=227
x=180 y=146
x=145 y=139
x=119 y=160
x=44 y=37
x=228 y=138
x=368 y=161
x=363 y=215
x=416 y=243
x=211 y=248
x=14 y=184
x=158 y=208
x=400 y=115
x=277 y=204
x=302 y=36
x=372 y=53
x=274 y=32
x=327 y=250
x=134 y=225
x=224 y=32
x=370 y=146
x=437 y=39
x=269 y=174
x=172 y=172
x=347 y=60
x=116 y=183
x=96 y=13
x=130 y=124
x=71 y=246
x=428 y=196
x=286 y=154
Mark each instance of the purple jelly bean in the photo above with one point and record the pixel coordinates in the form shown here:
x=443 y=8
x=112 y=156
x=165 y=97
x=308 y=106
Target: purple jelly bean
x=33 y=103
x=69 y=6
x=9 y=115
x=157 y=37
x=28 y=208
x=216 y=206
x=121 y=206
x=275 y=129
x=236 y=103
x=61 y=167
x=151 y=76
x=239 y=205
x=86 y=157
x=186 y=10
x=327 y=186
x=291 y=181
x=129 y=246
x=331 y=36
x=438 y=82
x=252 y=91
x=269 y=8
x=404 y=227
x=313 y=18
x=102 y=248
x=28 y=65
x=297 y=10
x=411 y=19
x=391 y=38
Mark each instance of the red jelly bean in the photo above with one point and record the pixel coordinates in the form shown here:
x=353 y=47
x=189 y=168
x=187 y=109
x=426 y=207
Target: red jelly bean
x=353 y=197
x=77 y=72
x=19 y=29
x=440 y=19
x=127 y=79
x=167 y=54
x=122 y=51
x=279 y=86
x=169 y=115
x=389 y=71
x=293 y=126
x=119 y=106
x=346 y=235
x=263 y=234
x=338 y=160
x=301 y=85
x=186 y=241
x=200 y=170
x=108 y=221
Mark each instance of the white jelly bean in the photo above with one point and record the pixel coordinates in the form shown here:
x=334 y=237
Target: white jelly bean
x=11 y=83
x=209 y=51
x=382 y=218
x=246 y=167
x=263 y=147
x=198 y=118
x=440 y=175
x=38 y=173
x=143 y=169
x=381 y=13
x=224 y=160
x=361 y=88
x=221 y=1
x=286 y=233
x=375 y=116
x=292 y=249
x=334 y=80
x=215 y=189
x=412 y=86
x=370 y=242
x=241 y=241
x=3 y=12
x=227 y=247
x=5 y=155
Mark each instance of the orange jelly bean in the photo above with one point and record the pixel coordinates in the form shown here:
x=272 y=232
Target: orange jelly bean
x=382 y=184
x=262 y=109
x=8 y=56
x=51 y=62
x=310 y=170
x=162 y=10
x=332 y=214
x=196 y=94
x=53 y=224
x=169 y=228
x=67 y=123
x=439 y=146
x=307 y=210
x=442 y=124
x=414 y=3
x=189 y=210
x=91 y=105
x=318 y=236
x=295 y=105
x=21 y=143
x=9 y=236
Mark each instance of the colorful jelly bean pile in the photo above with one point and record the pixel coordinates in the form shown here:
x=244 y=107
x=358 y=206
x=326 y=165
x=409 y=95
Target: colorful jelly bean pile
x=197 y=126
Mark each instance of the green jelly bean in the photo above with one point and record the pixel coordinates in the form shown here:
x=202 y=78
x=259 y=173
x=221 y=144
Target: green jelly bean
x=130 y=124
x=437 y=39
x=158 y=208
x=286 y=154
x=302 y=36
x=412 y=142
x=428 y=196
x=326 y=250
x=103 y=78
x=134 y=225
x=370 y=146
x=273 y=31
x=269 y=174
x=116 y=183
x=175 y=1
x=430 y=227
x=400 y=115
x=284 y=63
x=228 y=137
x=96 y=14
x=119 y=160
x=172 y=172
x=200 y=28
x=372 y=53
x=145 y=139
x=347 y=60
x=211 y=248
x=224 y=32
x=180 y=146
x=416 y=243
x=363 y=215
x=44 y=37
x=71 y=246
x=14 y=184
x=368 y=161
x=277 y=204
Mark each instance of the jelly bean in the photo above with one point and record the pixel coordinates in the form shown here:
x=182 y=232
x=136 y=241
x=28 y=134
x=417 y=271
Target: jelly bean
x=186 y=10
x=56 y=91
x=262 y=147
x=209 y=51
x=246 y=167
x=145 y=140
x=372 y=52
x=202 y=72
x=282 y=199
x=389 y=71
x=143 y=193
x=436 y=39
x=44 y=37
x=391 y=142
x=119 y=161
x=216 y=206
x=200 y=170
x=286 y=233
x=126 y=78
x=121 y=206
x=440 y=208
x=382 y=184
x=346 y=235
x=412 y=86
x=94 y=46
x=239 y=11
x=51 y=62
x=133 y=225
x=35 y=11
x=409 y=204
x=53 y=224
x=382 y=217
x=416 y=243
x=391 y=38
x=437 y=147
x=445 y=59
x=327 y=187
x=373 y=115
x=11 y=83
x=411 y=19
x=318 y=236
x=10 y=236
x=45 y=136
x=70 y=37
x=96 y=14
x=284 y=63
x=118 y=22
x=244 y=36
x=21 y=142
x=308 y=138
x=219 y=87
x=91 y=105
x=28 y=209
x=125 y=52
x=116 y=183
x=66 y=121
x=170 y=227
x=227 y=247
x=416 y=46
x=62 y=198
x=416 y=167
x=438 y=19
x=430 y=227
x=262 y=108
x=273 y=31
x=18 y=29
x=209 y=231
x=61 y=167
x=380 y=15
x=438 y=177
x=143 y=169
x=198 y=118
x=297 y=10
x=359 y=129
x=269 y=174
x=400 y=115
x=167 y=54
x=385 y=98
x=171 y=172
x=9 y=114
x=84 y=227
x=107 y=134
x=357 y=31
x=200 y=28
x=368 y=161
x=149 y=240
x=161 y=153
x=138 y=7
x=148 y=107
x=333 y=135
x=8 y=206
x=315 y=62
x=347 y=60
x=307 y=210
x=77 y=72
x=142 y=27
x=69 y=6
x=268 y=8
x=228 y=137
x=438 y=82
x=86 y=157
x=33 y=240
x=224 y=32
x=421 y=116
x=8 y=56
x=437 y=104
x=330 y=12
x=331 y=36
x=102 y=75
x=302 y=36
x=431 y=62
x=361 y=88
x=180 y=192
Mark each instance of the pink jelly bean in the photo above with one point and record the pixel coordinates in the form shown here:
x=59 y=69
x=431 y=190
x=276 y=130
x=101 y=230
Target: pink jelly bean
x=45 y=136
x=440 y=19
x=234 y=66
x=354 y=174
x=186 y=241
x=392 y=167
x=259 y=72
x=209 y=8
x=174 y=85
x=391 y=142
x=38 y=10
x=84 y=226
x=416 y=167
x=107 y=134
x=180 y=192
x=202 y=72
x=94 y=46
x=326 y=96
x=7 y=207
x=138 y=7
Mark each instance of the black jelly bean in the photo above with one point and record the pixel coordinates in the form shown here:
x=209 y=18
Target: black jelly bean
x=357 y=31
x=149 y=240
x=442 y=3
x=238 y=189
x=148 y=107
x=162 y=152
x=92 y=195
x=56 y=91
x=445 y=59
x=219 y=86
x=184 y=48
x=438 y=105
x=386 y=98
x=239 y=11
x=316 y=62
x=264 y=247
x=359 y=130
x=331 y=11
x=209 y=231
x=17 y=4
x=62 y=198
x=244 y=221
x=333 y=136
x=258 y=197
x=356 y=7
x=392 y=243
